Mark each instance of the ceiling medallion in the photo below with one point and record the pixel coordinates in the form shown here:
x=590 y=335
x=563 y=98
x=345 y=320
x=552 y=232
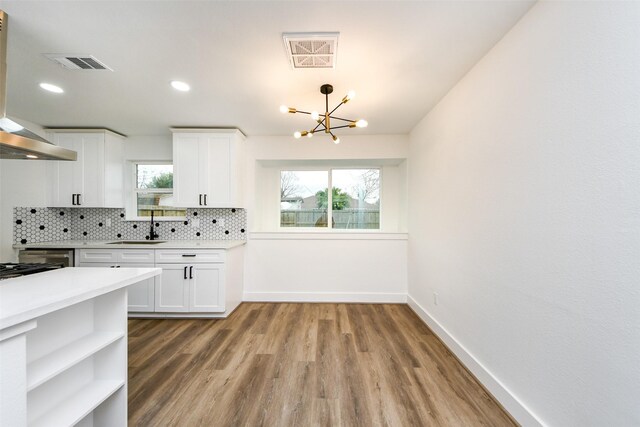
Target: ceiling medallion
x=324 y=120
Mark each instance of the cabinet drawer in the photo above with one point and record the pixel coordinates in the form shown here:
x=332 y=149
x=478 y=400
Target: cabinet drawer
x=98 y=255
x=120 y=256
x=191 y=257
x=136 y=256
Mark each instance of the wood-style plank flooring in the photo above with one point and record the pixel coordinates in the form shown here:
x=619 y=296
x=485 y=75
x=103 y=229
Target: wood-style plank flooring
x=301 y=365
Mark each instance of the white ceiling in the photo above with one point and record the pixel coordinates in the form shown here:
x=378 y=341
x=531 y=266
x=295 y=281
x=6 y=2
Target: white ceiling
x=400 y=58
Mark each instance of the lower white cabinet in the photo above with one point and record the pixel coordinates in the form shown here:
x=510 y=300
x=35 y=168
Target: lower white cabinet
x=192 y=281
x=172 y=294
x=206 y=288
x=197 y=286
x=141 y=296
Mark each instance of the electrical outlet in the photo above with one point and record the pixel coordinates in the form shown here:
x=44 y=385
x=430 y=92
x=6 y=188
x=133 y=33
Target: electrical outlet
x=435 y=298
x=195 y=222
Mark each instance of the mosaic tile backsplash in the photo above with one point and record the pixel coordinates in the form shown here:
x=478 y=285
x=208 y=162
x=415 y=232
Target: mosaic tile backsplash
x=31 y=225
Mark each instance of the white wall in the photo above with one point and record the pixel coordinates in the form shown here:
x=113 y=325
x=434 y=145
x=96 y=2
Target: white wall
x=327 y=267
x=157 y=147
x=22 y=183
x=525 y=216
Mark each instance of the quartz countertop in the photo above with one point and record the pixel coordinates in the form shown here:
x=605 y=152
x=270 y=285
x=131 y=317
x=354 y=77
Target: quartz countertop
x=113 y=244
x=28 y=297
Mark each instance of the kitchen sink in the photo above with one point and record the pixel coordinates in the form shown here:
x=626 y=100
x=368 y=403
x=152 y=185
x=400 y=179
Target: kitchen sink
x=137 y=242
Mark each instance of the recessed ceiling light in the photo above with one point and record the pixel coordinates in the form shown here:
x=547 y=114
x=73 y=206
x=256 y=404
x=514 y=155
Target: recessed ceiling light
x=31 y=156
x=51 y=88
x=181 y=86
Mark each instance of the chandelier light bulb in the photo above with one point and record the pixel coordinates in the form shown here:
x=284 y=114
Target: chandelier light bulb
x=310 y=135
x=297 y=135
x=351 y=94
x=336 y=140
x=284 y=109
x=315 y=116
x=362 y=123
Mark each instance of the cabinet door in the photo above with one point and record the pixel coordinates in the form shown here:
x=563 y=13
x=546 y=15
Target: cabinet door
x=206 y=288
x=91 y=170
x=141 y=294
x=217 y=176
x=84 y=176
x=172 y=289
x=64 y=178
x=186 y=161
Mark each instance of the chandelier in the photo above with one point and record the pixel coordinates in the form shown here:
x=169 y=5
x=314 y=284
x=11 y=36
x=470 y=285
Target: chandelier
x=324 y=121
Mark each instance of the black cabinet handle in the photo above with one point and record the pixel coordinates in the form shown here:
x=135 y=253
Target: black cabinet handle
x=205 y=200
x=185 y=272
x=79 y=200
x=73 y=199
x=189 y=255
x=191 y=272
x=200 y=202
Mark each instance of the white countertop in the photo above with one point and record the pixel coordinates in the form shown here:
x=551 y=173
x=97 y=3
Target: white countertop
x=108 y=244
x=28 y=297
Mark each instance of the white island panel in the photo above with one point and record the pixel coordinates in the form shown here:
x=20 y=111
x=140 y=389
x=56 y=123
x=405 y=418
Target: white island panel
x=63 y=346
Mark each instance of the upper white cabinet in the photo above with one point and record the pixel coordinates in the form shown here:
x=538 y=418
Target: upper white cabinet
x=95 y=179
x=207 y=168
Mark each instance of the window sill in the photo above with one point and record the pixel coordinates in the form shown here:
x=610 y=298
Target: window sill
x=327 y=235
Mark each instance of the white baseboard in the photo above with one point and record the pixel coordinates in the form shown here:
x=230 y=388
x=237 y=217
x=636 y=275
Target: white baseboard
x=325 y=297
x=511 y=403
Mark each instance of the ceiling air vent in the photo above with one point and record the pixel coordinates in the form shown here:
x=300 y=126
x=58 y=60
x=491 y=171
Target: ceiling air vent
x=311 y=50
x=77 y=62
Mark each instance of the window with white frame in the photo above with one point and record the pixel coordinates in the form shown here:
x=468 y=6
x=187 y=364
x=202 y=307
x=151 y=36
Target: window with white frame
x=352 y=203
x=153 y=190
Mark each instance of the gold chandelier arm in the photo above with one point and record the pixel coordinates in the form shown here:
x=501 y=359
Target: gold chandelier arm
x=344 y=120
x=343 y=126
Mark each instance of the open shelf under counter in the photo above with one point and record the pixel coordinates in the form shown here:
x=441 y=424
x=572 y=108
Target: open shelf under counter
x=78 y=406
x=48 y=366
x=63 y=346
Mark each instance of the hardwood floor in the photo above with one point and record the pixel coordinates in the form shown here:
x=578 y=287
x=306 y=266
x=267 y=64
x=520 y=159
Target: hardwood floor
x=301 y=365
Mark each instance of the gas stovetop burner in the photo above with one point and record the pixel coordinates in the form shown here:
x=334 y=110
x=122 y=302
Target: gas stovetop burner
x=10 y=270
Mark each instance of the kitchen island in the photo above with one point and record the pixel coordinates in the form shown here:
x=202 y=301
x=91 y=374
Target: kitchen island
x=63 y=346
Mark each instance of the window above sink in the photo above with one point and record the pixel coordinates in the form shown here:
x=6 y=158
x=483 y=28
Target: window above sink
x=150 y=189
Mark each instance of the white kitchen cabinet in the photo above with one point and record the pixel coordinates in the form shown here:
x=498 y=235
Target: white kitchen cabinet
x=195 y=284
x=96 y=179
x=172 y=295
x=206 y=288
x=141 y=296
x=207 y=168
